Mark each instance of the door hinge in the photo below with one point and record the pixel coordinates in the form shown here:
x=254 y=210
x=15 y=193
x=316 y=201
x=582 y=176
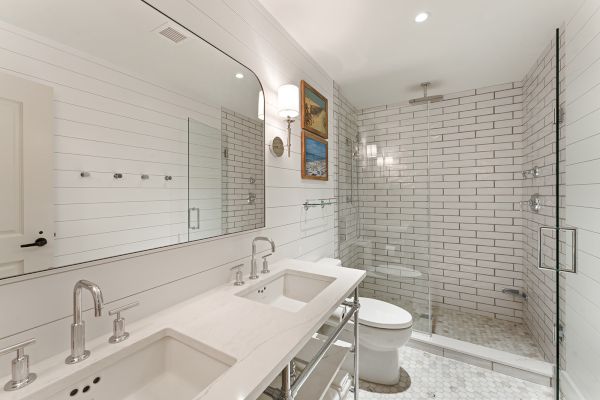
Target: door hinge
x=559 y=116
x=561 y=333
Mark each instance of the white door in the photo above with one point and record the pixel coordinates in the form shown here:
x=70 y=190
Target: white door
x=26 y=171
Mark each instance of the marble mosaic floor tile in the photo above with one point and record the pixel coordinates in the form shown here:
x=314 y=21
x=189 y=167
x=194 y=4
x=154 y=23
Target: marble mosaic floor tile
x=495 y=333
x=498 y=334
x=426 y=376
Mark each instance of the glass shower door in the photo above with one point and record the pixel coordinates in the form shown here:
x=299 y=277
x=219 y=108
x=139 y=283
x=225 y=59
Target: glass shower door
x=557 y=249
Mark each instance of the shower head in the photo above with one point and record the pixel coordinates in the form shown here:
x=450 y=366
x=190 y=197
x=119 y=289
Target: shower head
x=431 y=99
x=425 y=98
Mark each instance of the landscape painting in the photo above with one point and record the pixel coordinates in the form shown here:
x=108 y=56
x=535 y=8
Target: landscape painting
x=313 y=109
x=314 y=157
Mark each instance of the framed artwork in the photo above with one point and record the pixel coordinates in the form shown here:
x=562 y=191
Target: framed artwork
x=313 y=110
x=314 y=157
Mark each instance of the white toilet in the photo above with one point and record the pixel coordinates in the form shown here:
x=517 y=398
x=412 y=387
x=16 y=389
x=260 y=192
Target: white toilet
x=384 y=329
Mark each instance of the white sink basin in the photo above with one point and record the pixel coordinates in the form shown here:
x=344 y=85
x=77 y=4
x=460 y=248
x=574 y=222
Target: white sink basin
x=167 y=366
x=289 y=290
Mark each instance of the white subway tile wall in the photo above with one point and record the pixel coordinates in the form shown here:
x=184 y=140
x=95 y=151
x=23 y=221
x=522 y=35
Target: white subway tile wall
x=473 y=186
x=346 y=127
x=243 y=149
x=539 y=150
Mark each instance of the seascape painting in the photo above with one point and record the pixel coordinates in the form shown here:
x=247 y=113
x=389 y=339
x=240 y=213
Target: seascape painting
x=313 y=110
x=314 y=157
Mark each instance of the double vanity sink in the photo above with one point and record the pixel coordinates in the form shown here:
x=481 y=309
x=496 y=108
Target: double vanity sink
x=289 y=290
x=228 y=343
x=166 y=365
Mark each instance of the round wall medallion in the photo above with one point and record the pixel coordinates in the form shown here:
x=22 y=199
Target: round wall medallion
x=277 y=146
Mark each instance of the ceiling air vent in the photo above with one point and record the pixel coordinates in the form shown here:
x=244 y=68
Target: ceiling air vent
x=171 y=33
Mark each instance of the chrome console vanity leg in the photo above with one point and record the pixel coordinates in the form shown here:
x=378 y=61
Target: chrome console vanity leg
x=290 y=389
x=286 y=383
x=355 y=386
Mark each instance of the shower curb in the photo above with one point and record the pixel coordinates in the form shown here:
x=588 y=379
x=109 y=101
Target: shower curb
x=528 y=369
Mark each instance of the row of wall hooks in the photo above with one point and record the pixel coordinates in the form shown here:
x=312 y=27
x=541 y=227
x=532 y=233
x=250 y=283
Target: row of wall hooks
x=118 y=175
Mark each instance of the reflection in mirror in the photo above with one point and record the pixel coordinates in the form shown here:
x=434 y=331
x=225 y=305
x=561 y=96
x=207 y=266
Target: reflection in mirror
x=148 y=136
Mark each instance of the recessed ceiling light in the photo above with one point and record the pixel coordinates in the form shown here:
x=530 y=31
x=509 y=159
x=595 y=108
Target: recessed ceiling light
x=239 y=75
x=422 y=17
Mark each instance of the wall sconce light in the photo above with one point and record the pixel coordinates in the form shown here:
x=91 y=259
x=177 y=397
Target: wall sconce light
x=261 y=106
x=380 y=161
x=288 y=98
x=371 y=150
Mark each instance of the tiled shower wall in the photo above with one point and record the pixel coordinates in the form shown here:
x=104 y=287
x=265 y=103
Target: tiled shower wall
x=243 y=172
x=481 y=235
x=539 y=150
x=473 y=231
x=345 y=125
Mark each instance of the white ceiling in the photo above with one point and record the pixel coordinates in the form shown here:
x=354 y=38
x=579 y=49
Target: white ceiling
x=379 y=55
x=124 y=34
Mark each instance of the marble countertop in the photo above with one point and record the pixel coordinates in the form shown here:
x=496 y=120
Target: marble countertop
x=262 y=338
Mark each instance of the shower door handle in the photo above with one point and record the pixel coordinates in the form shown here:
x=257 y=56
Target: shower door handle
x=197 y=211
x=573 y=231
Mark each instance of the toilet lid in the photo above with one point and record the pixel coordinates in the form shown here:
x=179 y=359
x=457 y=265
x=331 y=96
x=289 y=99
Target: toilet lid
x=379 y=314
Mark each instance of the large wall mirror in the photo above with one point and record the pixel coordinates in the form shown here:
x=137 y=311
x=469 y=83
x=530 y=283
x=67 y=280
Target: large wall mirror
x=120 y=131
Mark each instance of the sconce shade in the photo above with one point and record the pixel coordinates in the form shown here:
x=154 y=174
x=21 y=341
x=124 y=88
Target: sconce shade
x=288 y=99
x=371 y=150
x=261 y=106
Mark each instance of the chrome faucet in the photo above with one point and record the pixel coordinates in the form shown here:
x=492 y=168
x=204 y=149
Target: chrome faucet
x=78 y=351
x=253 y=266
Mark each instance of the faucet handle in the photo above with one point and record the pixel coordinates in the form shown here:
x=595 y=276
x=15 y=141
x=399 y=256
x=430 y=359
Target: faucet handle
x=118 y=310
x=239 y=275
x=265 y=269
x=21 y=376
x=119 y=333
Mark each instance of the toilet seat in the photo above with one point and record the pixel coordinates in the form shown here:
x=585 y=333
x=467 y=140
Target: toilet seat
x=379 y=314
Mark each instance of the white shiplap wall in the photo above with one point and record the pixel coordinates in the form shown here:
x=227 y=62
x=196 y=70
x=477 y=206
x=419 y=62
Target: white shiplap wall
x=205 y=182
x=107 y=121
x=40 y=306
x=583 y=200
